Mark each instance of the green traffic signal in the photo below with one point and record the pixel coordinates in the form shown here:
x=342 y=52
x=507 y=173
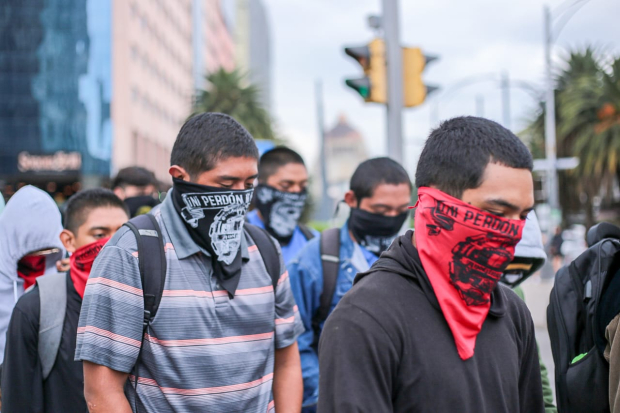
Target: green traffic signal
x=361 y=86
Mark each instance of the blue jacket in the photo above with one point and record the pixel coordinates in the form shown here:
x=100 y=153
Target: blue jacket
x=306 y=275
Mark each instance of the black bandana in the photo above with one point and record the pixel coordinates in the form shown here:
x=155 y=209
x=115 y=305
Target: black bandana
x=139 y=205
x=280 y=211
x=375 y=232
x=214 y=218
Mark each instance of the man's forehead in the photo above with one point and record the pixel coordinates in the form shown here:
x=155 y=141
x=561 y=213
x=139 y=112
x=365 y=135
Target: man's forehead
x=386 y=192
x=503 y=184
x=291 y=171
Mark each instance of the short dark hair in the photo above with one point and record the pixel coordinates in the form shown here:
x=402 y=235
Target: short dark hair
x=374 y=172
x=79 y=206
x=207 y=138
x=456 y=154
x=276 y=158
x=135 y=176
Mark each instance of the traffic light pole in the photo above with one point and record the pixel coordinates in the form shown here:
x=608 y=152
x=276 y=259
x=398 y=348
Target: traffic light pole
x=325 y=206
x=391 y=29
x=550 y=144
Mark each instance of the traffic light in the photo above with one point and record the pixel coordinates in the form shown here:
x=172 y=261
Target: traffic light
x=414 y=89
x=372 y=87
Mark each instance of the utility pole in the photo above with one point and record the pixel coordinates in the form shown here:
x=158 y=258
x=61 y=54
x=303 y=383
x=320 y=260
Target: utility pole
x=506 y=115
x=550 y=141
x=480 y=106
x=393 y=53
x=326 y=202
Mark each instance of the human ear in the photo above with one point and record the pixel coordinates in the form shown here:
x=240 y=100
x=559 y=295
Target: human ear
x=119 y=192
x=350 y=199
x=178 y=172
x=68 y=240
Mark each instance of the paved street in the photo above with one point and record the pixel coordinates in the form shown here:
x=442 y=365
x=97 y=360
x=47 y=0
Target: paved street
x=537 y=297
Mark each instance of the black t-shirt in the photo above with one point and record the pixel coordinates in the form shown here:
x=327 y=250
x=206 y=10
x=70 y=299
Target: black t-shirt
x=23 y=387
x=388 y=348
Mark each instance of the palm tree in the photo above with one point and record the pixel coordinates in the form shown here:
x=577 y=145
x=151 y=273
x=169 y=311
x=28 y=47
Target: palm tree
x=588 y=126
x=226 y=93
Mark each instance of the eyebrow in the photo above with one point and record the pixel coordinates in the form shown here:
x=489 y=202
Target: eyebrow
x=506 y=204
x=389 y=206
x=99 y=229
x=235 y=178
x=291 y=181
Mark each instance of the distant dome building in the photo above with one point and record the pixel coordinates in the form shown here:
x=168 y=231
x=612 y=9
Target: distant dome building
x=345 y=149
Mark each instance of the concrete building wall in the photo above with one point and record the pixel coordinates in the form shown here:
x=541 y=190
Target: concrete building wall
x=162 y=51
x=220 y=46
x=153 y=80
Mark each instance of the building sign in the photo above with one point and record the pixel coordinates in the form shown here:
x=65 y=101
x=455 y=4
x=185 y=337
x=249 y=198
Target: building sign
x=56 y=162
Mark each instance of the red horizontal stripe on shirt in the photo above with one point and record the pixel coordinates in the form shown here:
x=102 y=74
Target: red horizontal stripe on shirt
x=210 y=341
x=283 y=277
x=115 y=284
x=218 y=293
x=108 y=334
x=285 y=320
x=206 y=390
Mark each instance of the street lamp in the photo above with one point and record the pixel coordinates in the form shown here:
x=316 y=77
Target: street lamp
x=500 y=78
x=563 y=12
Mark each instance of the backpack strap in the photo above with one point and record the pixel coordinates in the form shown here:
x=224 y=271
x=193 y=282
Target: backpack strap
x=306 y=231
x=268 y=251
x=330 y=262
x=53 y=306
x=152 y=265
x=151 y=261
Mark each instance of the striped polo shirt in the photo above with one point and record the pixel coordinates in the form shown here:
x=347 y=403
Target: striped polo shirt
x=203 y=351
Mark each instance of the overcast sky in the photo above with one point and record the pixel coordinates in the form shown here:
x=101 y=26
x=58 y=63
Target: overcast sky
x=471 y=37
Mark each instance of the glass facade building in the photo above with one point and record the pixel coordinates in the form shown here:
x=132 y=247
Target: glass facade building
x=56 y=83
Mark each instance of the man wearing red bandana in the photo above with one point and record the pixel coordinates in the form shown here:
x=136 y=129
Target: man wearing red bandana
x=91 y=218
x=428 y=328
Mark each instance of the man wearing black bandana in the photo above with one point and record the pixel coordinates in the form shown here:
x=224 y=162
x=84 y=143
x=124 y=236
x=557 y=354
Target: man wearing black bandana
x=137 y=187
x=379 y=194
x=230 y=324
x=280 y=200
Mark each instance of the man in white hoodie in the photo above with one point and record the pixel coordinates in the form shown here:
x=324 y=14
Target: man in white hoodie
x=30 y=226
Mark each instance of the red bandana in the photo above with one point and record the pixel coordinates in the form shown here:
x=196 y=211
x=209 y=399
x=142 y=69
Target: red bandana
x=30 y=267
x=464 y=252
x=81 y=263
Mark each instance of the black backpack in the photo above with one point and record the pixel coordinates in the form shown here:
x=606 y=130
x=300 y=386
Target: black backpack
x=330 y=263
x=153 y=270
x=580 y=307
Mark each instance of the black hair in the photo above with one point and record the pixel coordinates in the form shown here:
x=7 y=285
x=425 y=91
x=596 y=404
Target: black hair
x=207 y=138
x=457 y=153
x=135 y=176
x=374 y=172
x=276 y=158
x=79 y=206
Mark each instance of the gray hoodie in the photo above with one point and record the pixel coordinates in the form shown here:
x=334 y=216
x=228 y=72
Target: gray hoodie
x=30 y=222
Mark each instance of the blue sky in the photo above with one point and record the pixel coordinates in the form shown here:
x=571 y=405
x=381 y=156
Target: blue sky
x=471 y=37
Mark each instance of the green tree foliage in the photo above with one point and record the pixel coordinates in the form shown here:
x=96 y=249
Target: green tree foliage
x=227 y=93
x=587 y=126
